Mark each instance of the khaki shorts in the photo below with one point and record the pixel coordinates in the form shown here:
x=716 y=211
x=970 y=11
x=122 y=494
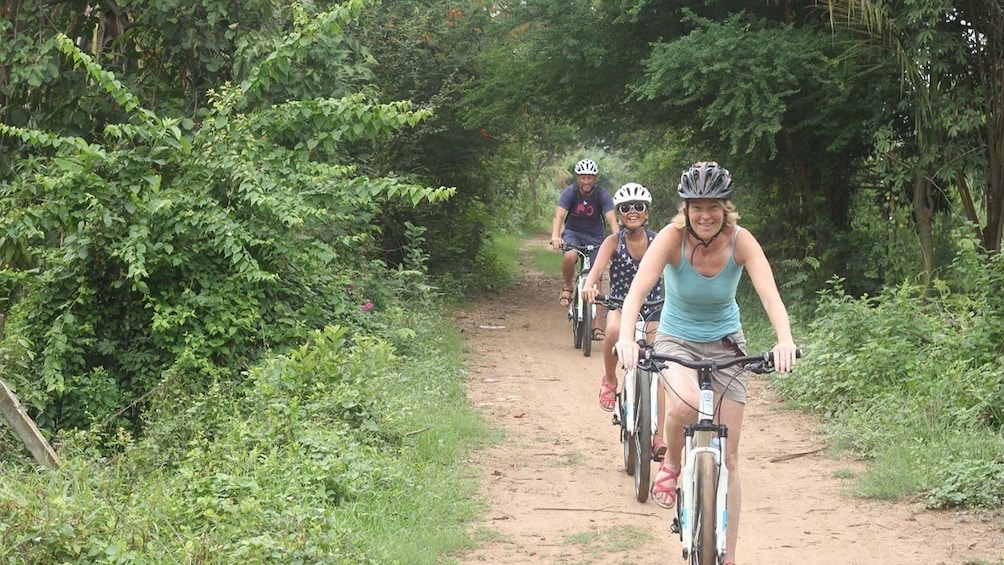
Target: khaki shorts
x=731 y=380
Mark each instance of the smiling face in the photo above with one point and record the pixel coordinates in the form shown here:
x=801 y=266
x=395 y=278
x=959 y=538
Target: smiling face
x=633 y=215
x=707 y=216
x=586 y=183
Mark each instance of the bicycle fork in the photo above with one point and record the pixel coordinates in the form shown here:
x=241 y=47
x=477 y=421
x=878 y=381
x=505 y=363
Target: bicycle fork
x=703 y=437
x=580 y=304
x=630 y=410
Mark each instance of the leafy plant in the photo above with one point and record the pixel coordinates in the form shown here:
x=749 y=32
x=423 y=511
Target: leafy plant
x=167 y=260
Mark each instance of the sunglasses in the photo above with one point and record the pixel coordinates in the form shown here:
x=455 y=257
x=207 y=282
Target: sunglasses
x=636 y=206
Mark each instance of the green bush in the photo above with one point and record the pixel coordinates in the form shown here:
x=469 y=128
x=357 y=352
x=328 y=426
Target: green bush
x=913 y=380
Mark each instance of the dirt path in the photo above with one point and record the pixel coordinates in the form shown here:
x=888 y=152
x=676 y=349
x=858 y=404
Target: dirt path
x=557 y=492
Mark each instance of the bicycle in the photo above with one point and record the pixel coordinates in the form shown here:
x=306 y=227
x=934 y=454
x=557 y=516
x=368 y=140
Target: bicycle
x=580 y=312
x=701 y=516
x=637 y=409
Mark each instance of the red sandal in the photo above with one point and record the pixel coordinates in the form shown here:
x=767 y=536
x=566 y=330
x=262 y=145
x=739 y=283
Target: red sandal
x=608 y=395
x=661 y=486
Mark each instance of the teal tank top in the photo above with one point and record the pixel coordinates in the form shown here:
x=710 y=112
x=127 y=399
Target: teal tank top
x=700 y=308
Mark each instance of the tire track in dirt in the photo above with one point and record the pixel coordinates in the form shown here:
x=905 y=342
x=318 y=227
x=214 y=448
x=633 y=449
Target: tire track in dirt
x=557 y=493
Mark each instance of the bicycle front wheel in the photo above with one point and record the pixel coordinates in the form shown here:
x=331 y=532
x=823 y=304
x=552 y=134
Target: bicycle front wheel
x=642 y=434
x=627 y=438
x=587 y=328
x=575 y=315
x=705 y=495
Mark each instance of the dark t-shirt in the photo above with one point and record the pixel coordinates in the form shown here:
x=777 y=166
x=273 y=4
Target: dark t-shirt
x=585 y=215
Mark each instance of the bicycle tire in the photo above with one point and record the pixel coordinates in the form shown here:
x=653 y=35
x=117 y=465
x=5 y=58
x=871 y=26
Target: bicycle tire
x=705 y=495
x=587 y=328
x=575 y=316
x=627 y=439
x=643 y=435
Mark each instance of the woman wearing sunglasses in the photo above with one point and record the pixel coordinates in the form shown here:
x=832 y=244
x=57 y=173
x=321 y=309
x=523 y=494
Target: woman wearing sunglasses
x=623 y=252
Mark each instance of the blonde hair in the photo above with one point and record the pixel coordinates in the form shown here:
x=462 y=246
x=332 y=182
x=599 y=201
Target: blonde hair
x=731 y=215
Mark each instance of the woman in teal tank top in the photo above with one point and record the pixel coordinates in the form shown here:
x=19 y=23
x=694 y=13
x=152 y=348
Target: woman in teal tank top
x=701 y=256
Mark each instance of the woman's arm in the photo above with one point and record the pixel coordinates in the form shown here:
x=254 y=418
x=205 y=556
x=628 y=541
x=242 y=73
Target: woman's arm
x=658 y=255
x=603 y=256
x=750 y=255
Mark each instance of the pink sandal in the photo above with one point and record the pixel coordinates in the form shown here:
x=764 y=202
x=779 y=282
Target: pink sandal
x=608 y=395
x=660 y=486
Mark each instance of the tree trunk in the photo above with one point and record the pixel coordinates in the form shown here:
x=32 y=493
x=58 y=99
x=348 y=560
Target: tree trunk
x=923 y=217
x=995 y=181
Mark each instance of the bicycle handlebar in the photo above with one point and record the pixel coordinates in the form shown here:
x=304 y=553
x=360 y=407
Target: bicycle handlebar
x=617 y=302
x=760 y=363
x=579 y=248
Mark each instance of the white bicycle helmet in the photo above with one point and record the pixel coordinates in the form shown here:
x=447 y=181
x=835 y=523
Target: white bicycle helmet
x=632 y=192
x=586 y=167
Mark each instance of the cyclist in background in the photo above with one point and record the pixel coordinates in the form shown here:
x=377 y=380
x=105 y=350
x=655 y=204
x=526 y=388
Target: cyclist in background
x=582 y=208
x=623 y=252
x=701 y=256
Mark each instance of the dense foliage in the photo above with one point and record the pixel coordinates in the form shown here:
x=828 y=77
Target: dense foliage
x=150 y=257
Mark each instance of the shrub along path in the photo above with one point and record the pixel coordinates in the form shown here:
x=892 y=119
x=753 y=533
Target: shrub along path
x=557 y=492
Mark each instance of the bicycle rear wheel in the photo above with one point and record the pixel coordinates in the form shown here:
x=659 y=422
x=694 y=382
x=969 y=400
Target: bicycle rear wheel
x=642 y=435
x=705 y=495
x=587 y=328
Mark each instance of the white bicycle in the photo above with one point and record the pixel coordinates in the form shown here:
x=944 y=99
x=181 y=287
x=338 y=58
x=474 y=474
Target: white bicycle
x=580 y=312
x=702 y=491
x=637 y=410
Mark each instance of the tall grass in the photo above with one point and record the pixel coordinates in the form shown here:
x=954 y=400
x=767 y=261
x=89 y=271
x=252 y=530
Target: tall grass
x=351 y=449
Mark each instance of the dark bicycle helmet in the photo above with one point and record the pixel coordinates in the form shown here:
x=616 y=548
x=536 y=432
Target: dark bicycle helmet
x=586 y=167
x=706 y=179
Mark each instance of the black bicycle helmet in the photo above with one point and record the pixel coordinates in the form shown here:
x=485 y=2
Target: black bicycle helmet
x=706 y=179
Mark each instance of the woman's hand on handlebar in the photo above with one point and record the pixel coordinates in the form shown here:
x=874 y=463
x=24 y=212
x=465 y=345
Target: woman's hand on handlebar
x=784 y=356
x=557 y=243
x=589 y=294
x=627 y=352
